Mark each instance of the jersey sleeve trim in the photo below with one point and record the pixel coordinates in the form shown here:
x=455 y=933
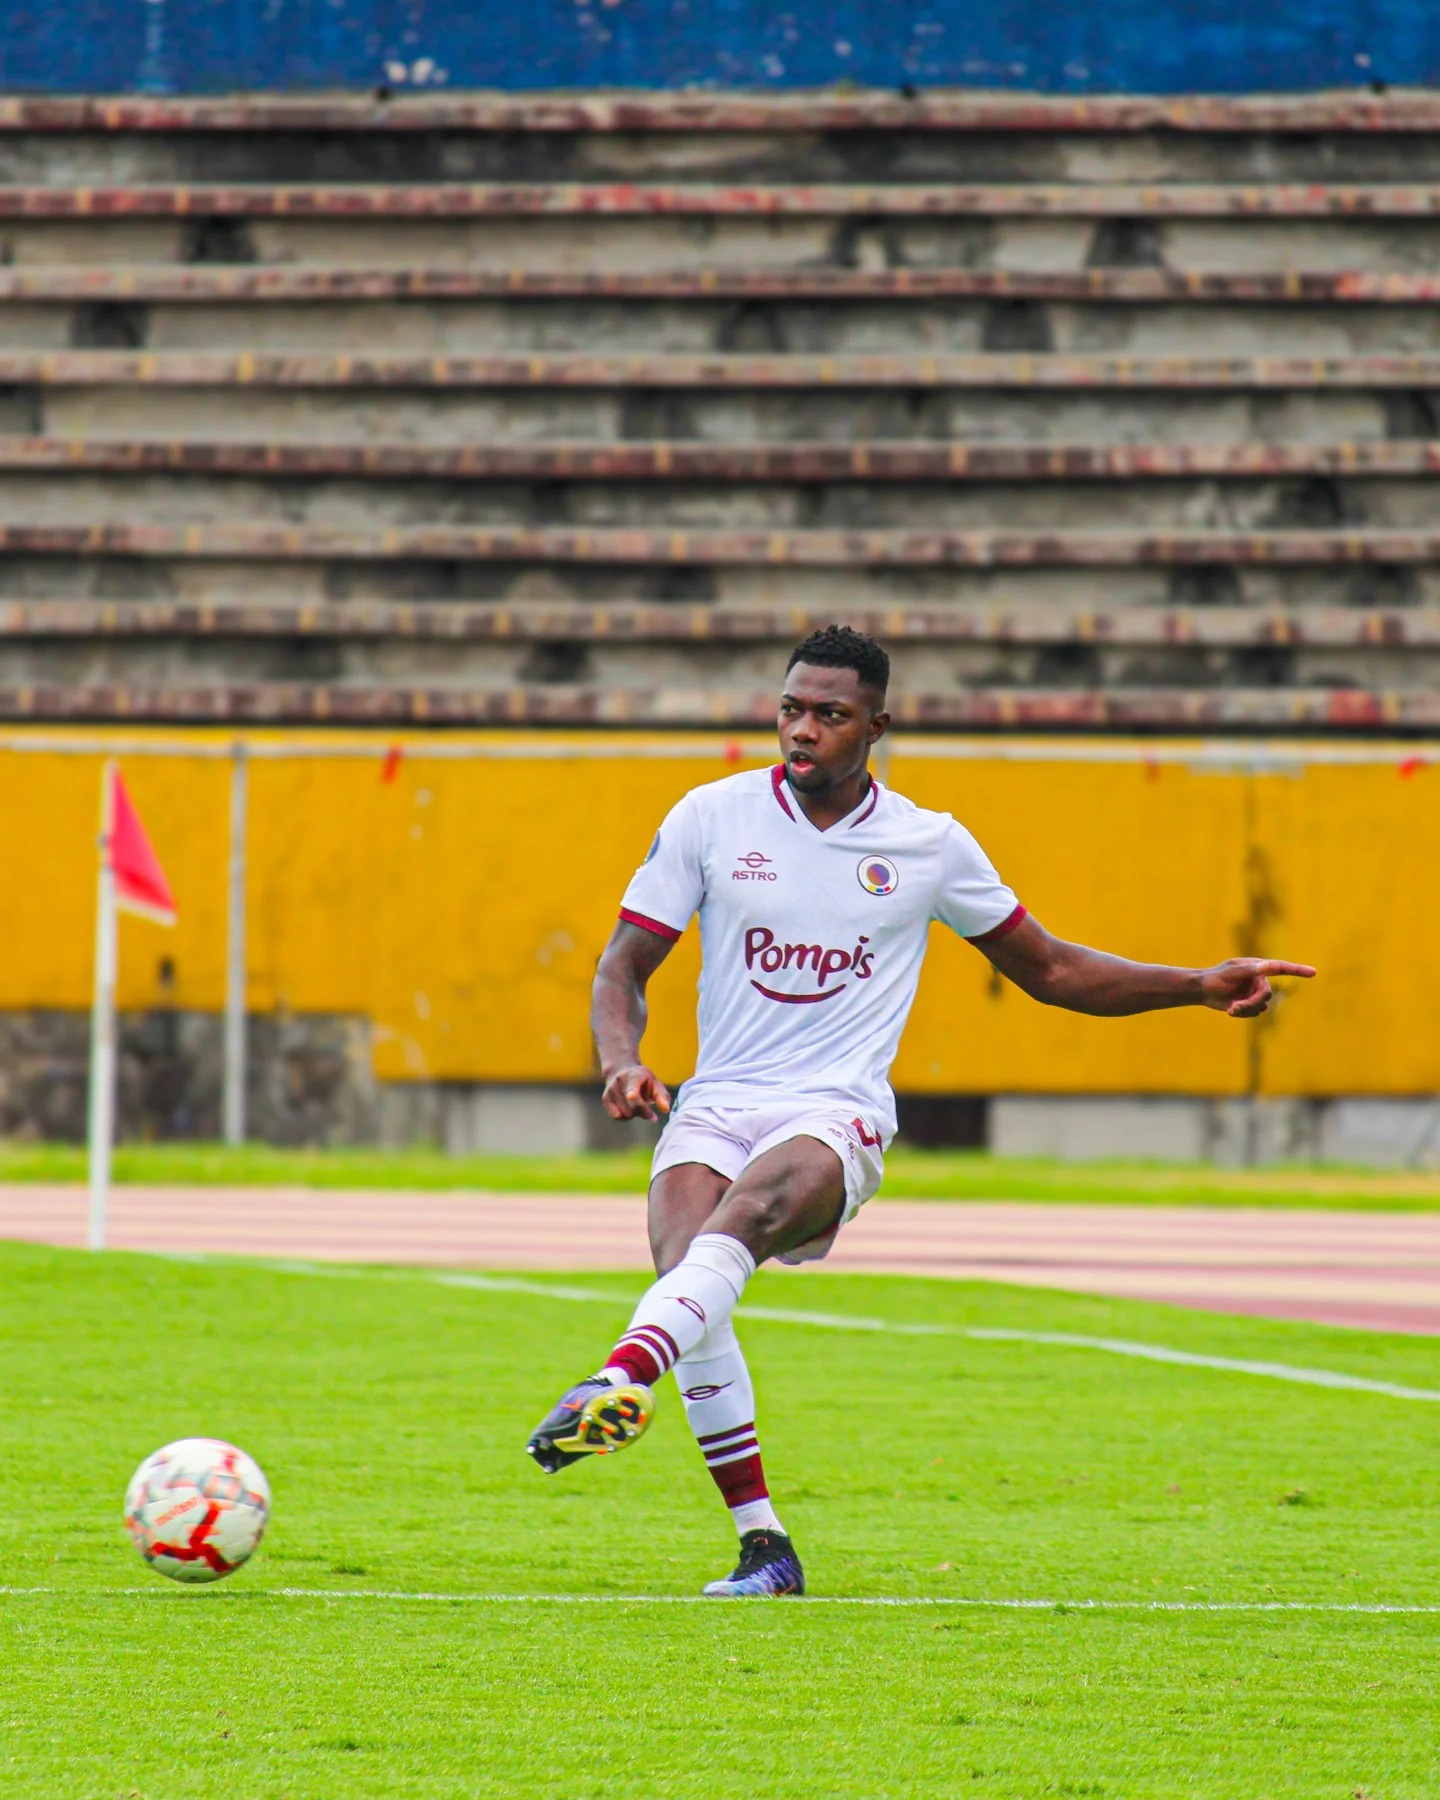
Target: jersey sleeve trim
x=1003 y=929
x=647 y=924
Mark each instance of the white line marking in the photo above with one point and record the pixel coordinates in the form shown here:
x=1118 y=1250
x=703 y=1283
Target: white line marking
x=423 y=1597
x=1160 y=1353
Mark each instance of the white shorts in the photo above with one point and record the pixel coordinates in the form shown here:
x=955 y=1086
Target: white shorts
x=729 y=1138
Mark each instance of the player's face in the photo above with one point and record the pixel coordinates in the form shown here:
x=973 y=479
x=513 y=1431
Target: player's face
x=827 y=724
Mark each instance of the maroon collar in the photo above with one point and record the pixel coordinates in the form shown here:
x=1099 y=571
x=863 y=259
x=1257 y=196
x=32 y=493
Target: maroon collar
x=874 y=802
x=779 y=784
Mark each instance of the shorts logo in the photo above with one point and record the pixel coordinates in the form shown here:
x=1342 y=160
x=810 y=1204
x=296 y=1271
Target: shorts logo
x=693 y=1306
x=870 y=1143
x=877 y=875
x=754 y=867
x=708 y=1391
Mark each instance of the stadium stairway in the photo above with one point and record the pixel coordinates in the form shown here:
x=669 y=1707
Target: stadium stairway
x=1106 y=414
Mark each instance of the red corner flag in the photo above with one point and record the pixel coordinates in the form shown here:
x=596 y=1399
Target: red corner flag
x=140 y=884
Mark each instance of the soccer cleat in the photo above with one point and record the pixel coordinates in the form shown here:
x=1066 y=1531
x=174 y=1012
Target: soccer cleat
x=768 y=1567
x=593 y=1419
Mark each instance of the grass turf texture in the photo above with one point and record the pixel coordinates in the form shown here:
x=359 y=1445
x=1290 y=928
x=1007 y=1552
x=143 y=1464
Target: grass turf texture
x=909 y=1175
x=389 y=1415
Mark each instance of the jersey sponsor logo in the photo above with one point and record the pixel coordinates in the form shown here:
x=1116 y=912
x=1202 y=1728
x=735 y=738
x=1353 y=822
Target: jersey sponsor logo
x=755 y=868
x=763 y=951
x=878 y=875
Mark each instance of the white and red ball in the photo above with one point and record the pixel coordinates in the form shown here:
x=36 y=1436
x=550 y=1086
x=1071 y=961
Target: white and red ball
x=197 y=1509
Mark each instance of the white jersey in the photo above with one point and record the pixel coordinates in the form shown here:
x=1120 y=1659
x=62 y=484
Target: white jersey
x=811 y=941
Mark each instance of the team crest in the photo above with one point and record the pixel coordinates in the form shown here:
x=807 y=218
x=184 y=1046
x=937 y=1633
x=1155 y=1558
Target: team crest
x=878 y=875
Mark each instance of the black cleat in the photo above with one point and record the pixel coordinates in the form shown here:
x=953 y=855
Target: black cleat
x=768 y=1567
x=593 y=1419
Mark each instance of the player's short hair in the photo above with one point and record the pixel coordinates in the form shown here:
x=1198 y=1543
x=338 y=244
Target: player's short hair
x=838 y=647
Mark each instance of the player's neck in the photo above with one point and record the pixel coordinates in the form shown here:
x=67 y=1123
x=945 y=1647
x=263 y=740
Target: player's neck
x=835 y=803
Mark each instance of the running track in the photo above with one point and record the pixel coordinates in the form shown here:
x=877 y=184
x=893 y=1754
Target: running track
x=1374 y=1270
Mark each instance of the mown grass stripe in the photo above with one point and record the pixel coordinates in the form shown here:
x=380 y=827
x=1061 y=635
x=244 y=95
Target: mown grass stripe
x=1158 y=1353
x=1003 y=1604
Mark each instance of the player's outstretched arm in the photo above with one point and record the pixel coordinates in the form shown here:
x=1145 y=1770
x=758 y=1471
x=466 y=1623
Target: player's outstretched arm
x=617 y=1018
x=1092 y=981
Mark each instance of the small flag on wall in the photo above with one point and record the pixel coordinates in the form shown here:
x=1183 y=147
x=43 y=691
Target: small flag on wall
x=140 y=884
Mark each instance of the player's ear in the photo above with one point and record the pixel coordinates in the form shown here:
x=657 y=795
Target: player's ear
x=879 y=725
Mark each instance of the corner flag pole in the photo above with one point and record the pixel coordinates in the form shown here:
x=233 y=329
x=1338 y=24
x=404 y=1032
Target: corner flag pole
x=102 y=1018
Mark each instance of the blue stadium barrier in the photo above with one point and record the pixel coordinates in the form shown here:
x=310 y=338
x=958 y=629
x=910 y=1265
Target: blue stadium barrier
x=1135 y=46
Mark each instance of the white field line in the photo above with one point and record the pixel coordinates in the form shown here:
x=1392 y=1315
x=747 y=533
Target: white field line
x=422 y=1597
x=1160 y=1353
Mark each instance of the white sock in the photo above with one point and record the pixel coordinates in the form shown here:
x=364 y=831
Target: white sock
x=681 y=1308
x=756 y=1515
x=719 y=1397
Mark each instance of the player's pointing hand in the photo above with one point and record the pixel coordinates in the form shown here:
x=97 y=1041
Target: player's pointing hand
x=635 y=1093
x=1241 y=985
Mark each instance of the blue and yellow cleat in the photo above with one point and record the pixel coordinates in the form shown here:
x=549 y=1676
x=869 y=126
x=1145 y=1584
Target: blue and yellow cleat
x=768 y=1567
x=593 y=1419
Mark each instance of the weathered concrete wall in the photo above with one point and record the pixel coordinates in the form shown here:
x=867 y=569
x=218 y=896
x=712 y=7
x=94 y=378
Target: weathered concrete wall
x=1396 y=1134
x=311 y=1081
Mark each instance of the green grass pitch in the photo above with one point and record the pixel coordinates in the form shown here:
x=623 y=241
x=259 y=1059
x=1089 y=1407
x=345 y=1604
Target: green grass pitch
x=910 y=1174
x=389 y=1413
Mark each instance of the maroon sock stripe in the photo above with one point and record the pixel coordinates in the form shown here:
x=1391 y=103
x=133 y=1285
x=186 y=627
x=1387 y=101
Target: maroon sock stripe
x=638 y=1361
x=717 y=1459
x=660 y=1339
x=716 y=1437
x=645 y=1353
x=743 y=1481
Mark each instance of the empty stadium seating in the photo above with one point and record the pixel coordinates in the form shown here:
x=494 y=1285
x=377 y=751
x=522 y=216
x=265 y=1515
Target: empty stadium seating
x=1103 y=414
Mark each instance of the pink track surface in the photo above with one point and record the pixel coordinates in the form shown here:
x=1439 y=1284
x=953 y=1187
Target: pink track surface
x=1380 y=1271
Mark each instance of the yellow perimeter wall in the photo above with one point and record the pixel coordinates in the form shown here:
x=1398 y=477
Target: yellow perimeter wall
x=462 y=905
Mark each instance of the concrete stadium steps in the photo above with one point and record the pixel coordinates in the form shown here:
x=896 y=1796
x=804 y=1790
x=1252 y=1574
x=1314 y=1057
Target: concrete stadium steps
x=1392 y=111
x=1280 y=408
x=457 y=646
x=685 y=461
x=551 y=524
x=109 y=309
x=622 y=622
x=265 y=369
x=858 y=158
x=1153 y=688
x=1117 y=414
x=397 y=201
x=1097 y=239
x=242 y=539
x=252 y=283
x=706 y=704
x=714 y=419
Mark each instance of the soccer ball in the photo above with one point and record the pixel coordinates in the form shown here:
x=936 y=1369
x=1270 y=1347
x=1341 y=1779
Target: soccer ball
x=197 y=1509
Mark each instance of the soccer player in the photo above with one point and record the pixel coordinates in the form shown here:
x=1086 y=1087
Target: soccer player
x=815 y=888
